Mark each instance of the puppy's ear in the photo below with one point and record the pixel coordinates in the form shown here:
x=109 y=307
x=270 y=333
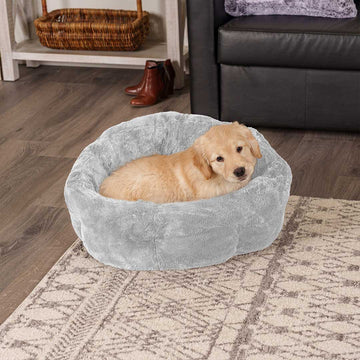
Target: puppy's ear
x=254 y=145
x=200 y=159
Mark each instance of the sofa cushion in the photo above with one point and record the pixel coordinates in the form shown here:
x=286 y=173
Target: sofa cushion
x=290 y=98
x=290 y=41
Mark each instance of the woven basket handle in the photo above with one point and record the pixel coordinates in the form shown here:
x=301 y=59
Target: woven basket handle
x=139 y=9
x=138 y=4
x=44 y=7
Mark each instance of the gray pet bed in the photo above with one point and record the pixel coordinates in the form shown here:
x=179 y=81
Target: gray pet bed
x=147 y=236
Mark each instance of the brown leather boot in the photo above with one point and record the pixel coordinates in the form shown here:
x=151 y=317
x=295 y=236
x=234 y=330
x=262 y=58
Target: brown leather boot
x=154 y=86
x=135 y=90
x=171 y=76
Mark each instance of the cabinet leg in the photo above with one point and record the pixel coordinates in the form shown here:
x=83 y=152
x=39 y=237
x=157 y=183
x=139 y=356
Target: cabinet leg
x=179 y=76
x=174 y=37
x=32 y=64
x=10 y=69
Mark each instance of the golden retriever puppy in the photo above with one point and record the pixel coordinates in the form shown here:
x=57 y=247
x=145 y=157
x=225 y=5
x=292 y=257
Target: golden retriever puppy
x=220 y=161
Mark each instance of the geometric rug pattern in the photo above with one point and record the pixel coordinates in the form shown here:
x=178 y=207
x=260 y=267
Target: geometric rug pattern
x=297 y=299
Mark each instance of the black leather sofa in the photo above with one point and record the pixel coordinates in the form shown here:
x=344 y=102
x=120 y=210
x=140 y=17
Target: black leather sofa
x=274 y=71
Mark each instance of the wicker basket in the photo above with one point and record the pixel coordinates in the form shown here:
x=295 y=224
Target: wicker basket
x=92 y=29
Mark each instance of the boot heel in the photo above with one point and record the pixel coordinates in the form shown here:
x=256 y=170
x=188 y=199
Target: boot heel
x=171 y=76
x=171 y=88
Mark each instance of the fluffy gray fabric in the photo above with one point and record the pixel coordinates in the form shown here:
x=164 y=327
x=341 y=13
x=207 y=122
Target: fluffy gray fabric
x=322 y=8
x=147 y=236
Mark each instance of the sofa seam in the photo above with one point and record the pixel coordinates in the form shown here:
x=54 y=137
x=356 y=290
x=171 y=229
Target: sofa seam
x=290 y=32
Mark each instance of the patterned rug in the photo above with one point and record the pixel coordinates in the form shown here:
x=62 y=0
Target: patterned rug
x=298 y=299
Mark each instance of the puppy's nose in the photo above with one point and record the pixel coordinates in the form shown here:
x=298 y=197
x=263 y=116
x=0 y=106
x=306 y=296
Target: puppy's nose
x=240 y=171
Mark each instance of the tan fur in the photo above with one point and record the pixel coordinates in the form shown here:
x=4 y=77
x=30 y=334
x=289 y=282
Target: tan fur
x=191 y=174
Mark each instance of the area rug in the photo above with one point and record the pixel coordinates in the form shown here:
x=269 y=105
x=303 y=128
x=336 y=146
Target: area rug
x=298 y=299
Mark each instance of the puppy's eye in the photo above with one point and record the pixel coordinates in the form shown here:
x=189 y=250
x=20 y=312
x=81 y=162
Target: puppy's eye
x=219 y=159
x=239 y=148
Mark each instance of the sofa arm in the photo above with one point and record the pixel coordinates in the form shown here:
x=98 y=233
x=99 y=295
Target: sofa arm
x=204 y=18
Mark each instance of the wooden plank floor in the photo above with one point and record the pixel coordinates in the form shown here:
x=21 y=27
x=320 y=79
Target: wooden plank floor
x=51 y=113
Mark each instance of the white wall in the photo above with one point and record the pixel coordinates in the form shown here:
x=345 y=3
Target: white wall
x=155 y=7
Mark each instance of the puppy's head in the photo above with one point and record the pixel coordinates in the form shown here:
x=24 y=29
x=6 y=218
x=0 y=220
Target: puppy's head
x=227 y=150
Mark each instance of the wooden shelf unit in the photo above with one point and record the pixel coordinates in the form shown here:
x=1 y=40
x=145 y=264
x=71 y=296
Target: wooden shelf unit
x=34 y=53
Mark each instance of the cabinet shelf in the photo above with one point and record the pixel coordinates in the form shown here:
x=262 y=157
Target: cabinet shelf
x=34 y=51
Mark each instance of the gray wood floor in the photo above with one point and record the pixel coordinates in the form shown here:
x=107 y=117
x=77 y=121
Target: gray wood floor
x=51 y=113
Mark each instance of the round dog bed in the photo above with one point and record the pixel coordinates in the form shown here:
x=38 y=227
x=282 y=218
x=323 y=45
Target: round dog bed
x=148 y=236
